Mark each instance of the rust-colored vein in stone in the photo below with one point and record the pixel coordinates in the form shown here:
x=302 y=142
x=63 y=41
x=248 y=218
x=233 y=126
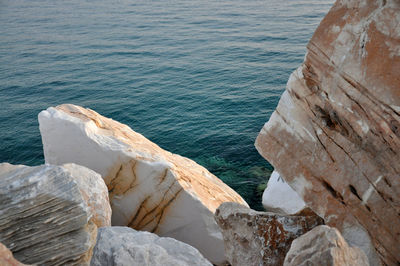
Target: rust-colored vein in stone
x=141 y=207
x=163 y=210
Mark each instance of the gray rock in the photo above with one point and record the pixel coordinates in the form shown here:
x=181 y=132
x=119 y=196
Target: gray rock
x=43 y=217
x=259 y=238
x=125 y=246
x=324 y=246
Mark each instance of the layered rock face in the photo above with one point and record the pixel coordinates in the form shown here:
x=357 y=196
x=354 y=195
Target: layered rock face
x=259 y=238
x=44 y=219
x=279 y=197
x=324 y=245
x=150 y=189
x=335 y=135
x=124 y=246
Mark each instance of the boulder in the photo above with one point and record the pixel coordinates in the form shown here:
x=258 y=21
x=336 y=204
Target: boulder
x=43 y=217
x=94 y=192
x=335 y=134
x=259 y=238
x=280 y=198
x=124 y=246
x=324 y=245
x=150 y=189
x=7 y=258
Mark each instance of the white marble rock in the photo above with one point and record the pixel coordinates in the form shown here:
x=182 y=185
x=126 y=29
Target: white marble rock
x=324 y=245
x=94 y=191
x=124 y=246
x=150 y=189
x=279 y=197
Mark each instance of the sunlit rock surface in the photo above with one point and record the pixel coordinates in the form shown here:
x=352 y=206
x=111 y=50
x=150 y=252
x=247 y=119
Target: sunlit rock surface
x=334 y=136
x=44 y=219
x=259 y=238
x=123 y=246
x=7 y=258
x=94 y=192
x=279 y=197
x=324 y=245
x=150 y=189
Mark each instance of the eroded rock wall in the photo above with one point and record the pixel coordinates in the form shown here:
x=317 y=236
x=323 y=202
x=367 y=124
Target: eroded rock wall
x=335 y=135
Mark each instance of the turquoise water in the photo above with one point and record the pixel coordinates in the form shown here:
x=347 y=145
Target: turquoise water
x=199 y=78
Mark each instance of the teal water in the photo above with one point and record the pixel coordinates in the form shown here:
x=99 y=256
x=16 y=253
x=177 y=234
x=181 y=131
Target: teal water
x=199 y=78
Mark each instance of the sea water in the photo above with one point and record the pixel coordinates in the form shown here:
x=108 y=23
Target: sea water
x=199 y=78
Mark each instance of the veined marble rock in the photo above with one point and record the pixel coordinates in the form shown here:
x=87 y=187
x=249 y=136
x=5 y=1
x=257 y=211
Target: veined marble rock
x=324 y=245
x=279 y=197
x=150 y=189
x=94 y=192
x=7 y=258
x=335 y=135
x=44 y=219
x=255 y=238
x=123 y=246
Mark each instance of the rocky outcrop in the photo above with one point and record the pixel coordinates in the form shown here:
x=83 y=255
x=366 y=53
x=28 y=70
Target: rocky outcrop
x=324 y=245
x=150 y=189
x=259 y=238
x=94 y=192
x=6 y=257
x=43 y=217
x=124 y=246
x=280 y=198
x=335 y=135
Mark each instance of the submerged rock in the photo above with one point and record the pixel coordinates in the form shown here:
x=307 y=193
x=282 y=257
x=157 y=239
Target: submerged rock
x=279 y=197
x=324 y=245
x=335 y=135
x=6 y=257
x=43 y=217
x=259 y=238
x=150 y=189
x=124 y=246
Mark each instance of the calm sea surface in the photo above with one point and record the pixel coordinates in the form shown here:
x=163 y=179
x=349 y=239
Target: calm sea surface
x=199 y=78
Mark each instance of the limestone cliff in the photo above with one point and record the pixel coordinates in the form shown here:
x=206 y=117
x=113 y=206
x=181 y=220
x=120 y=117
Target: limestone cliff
x=335 y=135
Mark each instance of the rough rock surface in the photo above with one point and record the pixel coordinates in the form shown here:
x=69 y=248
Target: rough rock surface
x=324 y=245
x=150 y=189
x=335 y=135
x=280 y=198
x=94 y=191
x=259 y=238
x=124 y=246
x=6 y=257
x=43 y=217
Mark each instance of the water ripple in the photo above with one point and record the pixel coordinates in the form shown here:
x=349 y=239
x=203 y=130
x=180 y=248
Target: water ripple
x=199 y=78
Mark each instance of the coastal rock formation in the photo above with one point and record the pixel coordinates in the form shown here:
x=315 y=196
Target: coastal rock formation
x=43 y=217
x=280 y=198
x=324 y=245
x=150 y=189
x=7 y=258
x=335 y=135
x=259 y=238
x=124 y=246
x=94 y=192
